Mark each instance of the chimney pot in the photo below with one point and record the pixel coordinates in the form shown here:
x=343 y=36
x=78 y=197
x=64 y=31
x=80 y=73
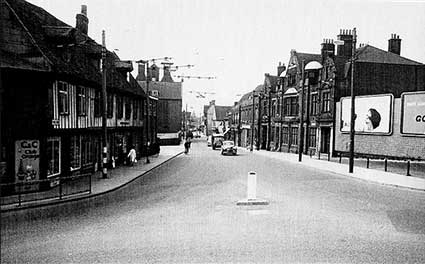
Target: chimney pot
x=84 y=9
x=394 y=44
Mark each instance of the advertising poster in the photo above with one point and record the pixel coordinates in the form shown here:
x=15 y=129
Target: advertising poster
x=413 y=117
x=27 y=160
x=372 y=114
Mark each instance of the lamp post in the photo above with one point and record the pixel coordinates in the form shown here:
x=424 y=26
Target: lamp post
x=148 y=78
x=310 y=68
x=352 y=117
x=104 y=110
x=253 y=121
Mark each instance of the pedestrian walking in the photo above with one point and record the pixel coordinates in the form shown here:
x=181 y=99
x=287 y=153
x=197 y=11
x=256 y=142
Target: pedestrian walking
x=187 y=144
x=132 y=156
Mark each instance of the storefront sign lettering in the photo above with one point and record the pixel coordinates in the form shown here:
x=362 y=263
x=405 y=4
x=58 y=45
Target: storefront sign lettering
x=27 y=160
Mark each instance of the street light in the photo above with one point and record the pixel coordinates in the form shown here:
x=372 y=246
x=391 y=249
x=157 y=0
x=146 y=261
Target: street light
x=311 y=67
x=148 y=77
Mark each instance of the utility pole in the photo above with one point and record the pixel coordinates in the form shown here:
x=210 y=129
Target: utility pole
x=253 y=121
x=148 y=77
x=353 y=112
x=104 y=106
x=307 y=115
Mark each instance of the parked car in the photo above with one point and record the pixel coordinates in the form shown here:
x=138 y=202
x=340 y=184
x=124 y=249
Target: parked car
x=217 y=140
x=228 y=147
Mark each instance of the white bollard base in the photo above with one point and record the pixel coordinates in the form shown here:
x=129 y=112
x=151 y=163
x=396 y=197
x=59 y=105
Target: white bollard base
x=252 y=202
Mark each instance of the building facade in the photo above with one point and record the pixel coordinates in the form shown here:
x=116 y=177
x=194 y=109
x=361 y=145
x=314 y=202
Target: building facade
x=51 y=116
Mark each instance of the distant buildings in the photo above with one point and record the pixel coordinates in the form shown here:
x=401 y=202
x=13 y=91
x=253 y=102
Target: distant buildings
x=217 y=118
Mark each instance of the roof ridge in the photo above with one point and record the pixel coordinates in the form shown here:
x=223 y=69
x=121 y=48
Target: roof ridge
x=362 y=50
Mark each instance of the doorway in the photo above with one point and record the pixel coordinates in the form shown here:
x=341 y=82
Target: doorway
x=325 y=139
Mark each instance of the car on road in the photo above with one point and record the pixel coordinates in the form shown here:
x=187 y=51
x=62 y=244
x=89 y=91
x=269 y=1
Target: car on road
x=217 y=140
x=228 y=147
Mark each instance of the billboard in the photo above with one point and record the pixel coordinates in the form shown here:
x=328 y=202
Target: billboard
x=413 y=113
x=27 y=160
x=373 y=114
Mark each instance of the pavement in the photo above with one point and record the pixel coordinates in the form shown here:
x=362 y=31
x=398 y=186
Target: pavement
x=362 y=173
x=122 y=176
x=117 y=178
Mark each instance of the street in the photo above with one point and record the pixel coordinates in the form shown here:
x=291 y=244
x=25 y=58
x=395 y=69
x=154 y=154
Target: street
x=185 y=211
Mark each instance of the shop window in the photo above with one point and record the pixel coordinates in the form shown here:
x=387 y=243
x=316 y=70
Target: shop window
x=326 y=102
x=120 y=107
x=75 y=152
x=53 y=156
x=97 y=104
x=127 y=106
x=87 y=150
x=63 y=98
x=294 y=135
x=110 y=106
x=312 y=137
x=81 y=101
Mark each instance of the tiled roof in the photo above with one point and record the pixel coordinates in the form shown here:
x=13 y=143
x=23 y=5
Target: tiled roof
x=70 y=52
x=370 y=53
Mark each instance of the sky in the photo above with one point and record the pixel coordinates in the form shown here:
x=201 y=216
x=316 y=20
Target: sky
x=238 y=41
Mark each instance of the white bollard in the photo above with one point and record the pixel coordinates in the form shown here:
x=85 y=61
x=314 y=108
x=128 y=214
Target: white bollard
x=252 y=186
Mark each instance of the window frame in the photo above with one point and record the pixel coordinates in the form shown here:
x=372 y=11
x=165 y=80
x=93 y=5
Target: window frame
x=73 y=150
x=119 y=107
x=326 y=106
x=97 y=104
x=63 y=98
x=81 y=100
x=49 y=141
x=294 y=136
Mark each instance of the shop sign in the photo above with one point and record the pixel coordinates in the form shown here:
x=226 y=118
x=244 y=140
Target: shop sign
x=413 y=113
x=27 y=161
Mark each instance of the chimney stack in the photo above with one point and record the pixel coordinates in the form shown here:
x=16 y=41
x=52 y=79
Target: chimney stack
x=328 y=48
x=394 y=44
x=82 y=20
x=141 y=72
x=281 y=68
x=154 y=73
x=346 y=49
x=167 y=75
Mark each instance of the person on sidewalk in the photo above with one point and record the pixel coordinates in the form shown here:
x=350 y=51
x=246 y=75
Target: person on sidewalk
x=187 y=145
x=132 y=156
